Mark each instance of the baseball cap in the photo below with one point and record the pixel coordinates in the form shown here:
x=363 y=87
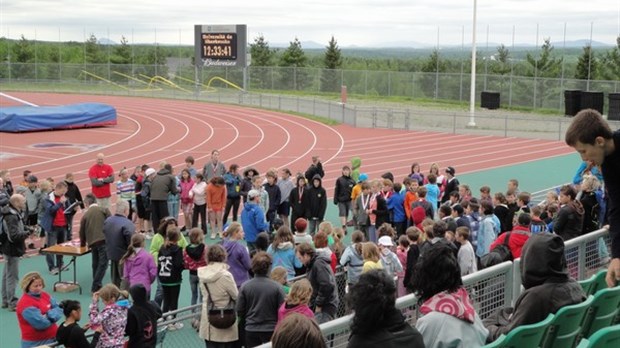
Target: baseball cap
x=363 y=177
x=149 y=171
x=386 y=241
x=253 y=194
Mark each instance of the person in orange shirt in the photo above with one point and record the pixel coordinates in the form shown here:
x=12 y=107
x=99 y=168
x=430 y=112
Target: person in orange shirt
x=410 y=196
x=216 y=201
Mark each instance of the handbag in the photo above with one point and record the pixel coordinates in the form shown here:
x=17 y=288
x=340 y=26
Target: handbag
x=220 y=318
x=498 y=255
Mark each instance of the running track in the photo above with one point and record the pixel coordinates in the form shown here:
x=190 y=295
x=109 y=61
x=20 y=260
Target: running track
x=153 y=130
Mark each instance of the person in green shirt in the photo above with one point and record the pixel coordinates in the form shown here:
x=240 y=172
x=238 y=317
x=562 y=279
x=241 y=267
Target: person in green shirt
x=157 y=242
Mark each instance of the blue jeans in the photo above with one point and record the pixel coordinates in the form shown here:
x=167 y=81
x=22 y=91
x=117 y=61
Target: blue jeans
x=194 y=285
x=99 y=264
x=372 y=234
x=313 y=226
x=55 y=236
x=173 y=206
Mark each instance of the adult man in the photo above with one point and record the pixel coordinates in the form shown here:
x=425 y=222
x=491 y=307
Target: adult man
x=163 y=184
x=316 y=168
x=452 y=184
x=13 y=247
x=4 y=195
x=591 y=136
x=91 y=234
x=342 y=195
x=101 y=176
x=324 y=299
x=548 y=287
x=54 y=222
x=258 y=302
x=214 y=167
x=118 y=230
x=253 y=219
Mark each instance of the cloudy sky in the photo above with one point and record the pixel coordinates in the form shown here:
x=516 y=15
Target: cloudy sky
x=353 y=22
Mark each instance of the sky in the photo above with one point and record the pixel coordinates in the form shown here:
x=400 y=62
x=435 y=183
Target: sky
x=365 y=23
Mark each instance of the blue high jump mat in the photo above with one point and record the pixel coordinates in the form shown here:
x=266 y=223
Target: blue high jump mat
x=16 y=119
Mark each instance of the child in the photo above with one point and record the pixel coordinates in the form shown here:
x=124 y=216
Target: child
x=413 y=254
x=142 y=319
x=300 y=232
x=372 y=257
x=69 y=333
x=362 y=205
x=466 y=255
x=401 y=253
x=352 y=258
x=194 y=257
x=449 y=236
x=283 y=252
x=170 y=265
x=537 y=225
x=337 y=246
x=389 y=260
x=317 y=204
x=113 y=317
x=432 y=192
x=187 y=203
x=396 y=206
x=138 y=265
x=523 y=201
x=377 y=211
x=320 y=242
x=216 y=202
x=275 y=198
x=410 y=196
x=257 y=184
x=421 y=209
x=297 y=300
x=279 y=275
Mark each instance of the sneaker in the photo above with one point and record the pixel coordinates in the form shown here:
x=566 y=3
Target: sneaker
x=54 y=271
x=195 y=323
x=5 y=305
x=178 y=326
x=12 y=308
x=171 y=327
x=149 y=235
x=212 y=235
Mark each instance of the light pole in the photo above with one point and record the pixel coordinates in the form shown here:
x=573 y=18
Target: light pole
x=472 y=90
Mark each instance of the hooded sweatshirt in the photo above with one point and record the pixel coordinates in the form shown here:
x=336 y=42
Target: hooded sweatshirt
x=239 y=261
x=286 y=309
x=284 y=256
x=453 y=325
x=194 y=257
x=170 y=264
x=140 y=269
x=548 y=287
x=253 y=221
x=323 y=281
x=113 y=319
x=318 y=199
x=163 y=184
x=394 y=332
x=569 y=221
x=356 y=163
x=354 y=262
x=142 y=319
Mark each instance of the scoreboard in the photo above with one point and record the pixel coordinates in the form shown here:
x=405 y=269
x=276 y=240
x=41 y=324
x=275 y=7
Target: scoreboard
x=221 y=45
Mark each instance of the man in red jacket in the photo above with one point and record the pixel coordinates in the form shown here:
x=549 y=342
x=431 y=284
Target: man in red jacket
x=101 y=176
x=518 y=236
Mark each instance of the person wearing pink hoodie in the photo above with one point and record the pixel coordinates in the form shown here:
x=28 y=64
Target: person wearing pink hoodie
x=297 y=301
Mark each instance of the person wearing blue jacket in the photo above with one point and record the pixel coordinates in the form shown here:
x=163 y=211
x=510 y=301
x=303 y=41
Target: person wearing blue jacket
x=253 y=219
x=396 y=205
x=233 y=191
x=283 y=252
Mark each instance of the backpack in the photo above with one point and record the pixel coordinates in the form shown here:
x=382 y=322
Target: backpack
x=498 y=255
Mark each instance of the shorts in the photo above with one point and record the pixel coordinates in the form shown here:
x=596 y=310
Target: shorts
x=187 y=208
x=284 y=208
x=344 y=208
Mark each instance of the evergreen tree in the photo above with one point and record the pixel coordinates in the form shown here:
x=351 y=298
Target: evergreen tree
x=294 y=58
x=93 y=51
x=611 y=63
x=330 y=77
x=501 y=65
x=587 y=65
x=155 y=62
x=122 y=53
x=262 y=55
x=23 y=52
x=545 y=65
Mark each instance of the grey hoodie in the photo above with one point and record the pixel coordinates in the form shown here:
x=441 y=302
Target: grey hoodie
x=323 y=281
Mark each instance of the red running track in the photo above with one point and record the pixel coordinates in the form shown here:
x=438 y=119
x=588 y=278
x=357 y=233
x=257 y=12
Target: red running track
x=153 y=130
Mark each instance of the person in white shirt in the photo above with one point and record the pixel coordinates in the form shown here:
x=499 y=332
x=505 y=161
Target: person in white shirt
x=466 y=255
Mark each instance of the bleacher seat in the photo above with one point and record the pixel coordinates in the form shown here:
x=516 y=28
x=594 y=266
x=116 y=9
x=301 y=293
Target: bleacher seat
x=608 y=337
x=603 y=311
x=599 y=282
x=588 y=284
x=530 y=336
x=567 y=325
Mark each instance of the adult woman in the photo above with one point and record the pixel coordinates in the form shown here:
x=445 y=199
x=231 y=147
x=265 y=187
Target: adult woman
x=376 y=321
x=187 y=203
x=218 y=288
x=450 y=319
x=216 y=201
x=198 y=195
x=238 y=255
x=37 y=312
x=283 y=252
x=233 y=192
x=70 y=333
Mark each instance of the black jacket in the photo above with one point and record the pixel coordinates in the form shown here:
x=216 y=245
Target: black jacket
x=569 y=221
x=450 y=187
x=14 y=233
x=313 y=171
x=300 y=204
x=170 y=264
x=611 y=175
x=343 y=189
x=142 y=319
x=382 y=212
x=317 y=199
x=505 y=218
x=323 y=281
x=548 y=287
x=394 y=332
x=73 y=194
x=274 y=196
x=73 y=336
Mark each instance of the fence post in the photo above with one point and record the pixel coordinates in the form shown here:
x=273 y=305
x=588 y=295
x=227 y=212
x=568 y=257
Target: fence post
x=516 y=281
x=354 y=116
x=314 y=106
x=407 y=119
x=343 y=112
x=454 y=123
x=279 y=102
x=260 y=100
x=505 y=126
x=389 y=119
x=374 y=117
x=329 y=110
x=581 y=261
x=559 y=129
x=509 y=290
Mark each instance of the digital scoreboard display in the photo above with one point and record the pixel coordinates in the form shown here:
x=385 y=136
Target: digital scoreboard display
x=219 y=46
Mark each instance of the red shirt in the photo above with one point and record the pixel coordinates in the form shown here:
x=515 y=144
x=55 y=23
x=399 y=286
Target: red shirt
x=60 y=219
x=43 y=304
x=518 y=237
x=101 y=172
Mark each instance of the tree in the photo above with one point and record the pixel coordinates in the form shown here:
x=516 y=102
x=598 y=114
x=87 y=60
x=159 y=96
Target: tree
x=501 y=65
x=294 y=58
x=587 y=65
x=545 y=65
x=92 y=51
x=23 y=52
x=262 y=55
x=330 y=77
x=122 y=53
x=611 y=63
x=155 y=62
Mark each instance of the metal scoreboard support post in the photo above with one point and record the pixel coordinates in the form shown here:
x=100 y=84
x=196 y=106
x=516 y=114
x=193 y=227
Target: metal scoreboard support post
x=221 y=45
